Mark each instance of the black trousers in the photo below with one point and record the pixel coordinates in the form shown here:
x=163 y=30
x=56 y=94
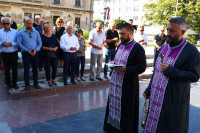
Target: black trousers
x=33 y=61
x=80 y=60
x=69 y=61
x=10 y=62
x=41 y=59
x=48 y=64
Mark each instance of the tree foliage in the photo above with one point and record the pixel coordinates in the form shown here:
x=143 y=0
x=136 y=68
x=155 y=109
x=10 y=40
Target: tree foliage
x=97 y=20
x=161 y=11
x=119 y=22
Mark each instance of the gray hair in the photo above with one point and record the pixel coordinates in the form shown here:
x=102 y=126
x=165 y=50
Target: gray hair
x=25 y=18
x=42 y=20
x=70 y=23
x=37 y=16
x=5 y=18
x=179 y=20
x=8 y=14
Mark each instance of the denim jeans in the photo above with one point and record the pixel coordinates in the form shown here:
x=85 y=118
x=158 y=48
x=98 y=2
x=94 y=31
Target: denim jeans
x=110 y=55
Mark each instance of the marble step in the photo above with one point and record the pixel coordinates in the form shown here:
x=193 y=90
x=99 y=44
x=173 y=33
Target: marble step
x=41 y=74
x=4 y=128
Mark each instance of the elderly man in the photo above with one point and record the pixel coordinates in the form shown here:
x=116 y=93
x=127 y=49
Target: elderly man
x=122 y=110
x=177 y=65
x=97 y=39
x=69 y=44
x=37 y=21
x=13 y=25
x=30 y=43
x=8 y=43
x=39 y=28
x=112 y=40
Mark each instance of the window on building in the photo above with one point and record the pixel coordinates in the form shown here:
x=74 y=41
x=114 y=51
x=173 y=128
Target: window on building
x=136 y=8
x=54 y=20
x=77 y=22
x=28 y=15
x=77 y=2
x=56 y=1
x=135 y=17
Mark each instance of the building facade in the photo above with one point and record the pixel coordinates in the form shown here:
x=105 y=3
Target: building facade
x=123 y=9
x=78 y=11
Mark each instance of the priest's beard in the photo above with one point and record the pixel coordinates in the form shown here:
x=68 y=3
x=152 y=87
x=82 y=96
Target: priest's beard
x=124 y=41
x=172 y=40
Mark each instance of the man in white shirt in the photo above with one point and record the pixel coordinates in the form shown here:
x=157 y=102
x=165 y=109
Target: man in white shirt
x=69 y=44
x=8 y=44
x=141 y=37
x=97 y=38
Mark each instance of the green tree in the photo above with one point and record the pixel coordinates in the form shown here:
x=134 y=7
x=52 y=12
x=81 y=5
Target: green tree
x=161 y=11
x=119 y=22
x=97 y=20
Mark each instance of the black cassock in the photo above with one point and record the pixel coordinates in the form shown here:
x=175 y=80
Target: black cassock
x=174 y=115
x=136 y=64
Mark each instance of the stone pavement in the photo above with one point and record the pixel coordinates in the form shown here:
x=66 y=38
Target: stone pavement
x=79 y=110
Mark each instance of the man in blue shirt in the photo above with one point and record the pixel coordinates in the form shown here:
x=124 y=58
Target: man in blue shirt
x=29 y=41
x=8 y=44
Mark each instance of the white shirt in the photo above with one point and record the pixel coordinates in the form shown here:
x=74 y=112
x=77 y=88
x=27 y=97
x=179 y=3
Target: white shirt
x=10 y=36
x=67 y=41
x=97 y=39
x=139 y=37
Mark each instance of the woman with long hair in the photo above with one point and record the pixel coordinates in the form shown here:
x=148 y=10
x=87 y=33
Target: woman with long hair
x=58 y=31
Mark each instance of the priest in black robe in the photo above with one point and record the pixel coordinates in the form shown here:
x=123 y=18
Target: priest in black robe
x=173 y=115
x=122 y=109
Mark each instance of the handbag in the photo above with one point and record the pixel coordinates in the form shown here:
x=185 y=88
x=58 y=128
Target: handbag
x=51 y=54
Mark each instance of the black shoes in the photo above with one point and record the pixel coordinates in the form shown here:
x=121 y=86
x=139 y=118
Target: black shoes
x=91 y=79
x=105 y=77
x=37 y=87
x=8 y=87
x=73 y=82
x=15 y=86
x=100 y=79
x=65 y=83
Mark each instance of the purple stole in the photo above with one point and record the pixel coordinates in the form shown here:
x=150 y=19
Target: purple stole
x=159 y=84
x=115 y=88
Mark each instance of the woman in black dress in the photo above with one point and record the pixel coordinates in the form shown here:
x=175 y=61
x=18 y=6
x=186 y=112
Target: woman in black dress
x=58 y=31
x=50 y=46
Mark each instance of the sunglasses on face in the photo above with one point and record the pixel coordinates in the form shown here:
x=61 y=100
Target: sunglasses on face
x=6 y=23
x=60 y=21
x=45 y=23
x=30 y=35
x=141 y=30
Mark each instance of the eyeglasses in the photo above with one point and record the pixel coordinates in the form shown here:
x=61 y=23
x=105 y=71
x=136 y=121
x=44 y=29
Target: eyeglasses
x=60 y=21
x=30 y=35
x=141 y=30
x=45 y=23
x=6 y=23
